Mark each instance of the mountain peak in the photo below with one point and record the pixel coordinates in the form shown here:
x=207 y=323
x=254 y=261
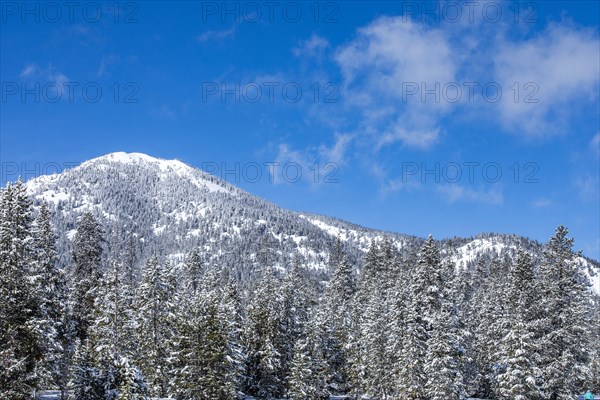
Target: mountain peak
x=137 y=158
x=121 y=156
x=161 y=167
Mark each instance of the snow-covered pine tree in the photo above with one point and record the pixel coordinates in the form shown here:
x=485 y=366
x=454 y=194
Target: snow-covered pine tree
x=309 y=370
x=106 y=362
x=22 y=322
x=338 y=306
x=293 y=315
x=425 y=298
x=193 y=272
x=262 y=337
x=517 y=352
x=339 y=303
x=86 y=272
x=444 y=379
x=362 y=315
x=566 y=303
x=233 y=320
x=52 y=290
x=206 y=369
x=87 y=379
x=187 y=357
x=373 y=356
x=594 y=328
x=488 y=324
x=397 y=323
x=156 y=301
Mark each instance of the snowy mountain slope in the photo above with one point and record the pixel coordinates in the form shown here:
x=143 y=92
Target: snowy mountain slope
x=168 y=208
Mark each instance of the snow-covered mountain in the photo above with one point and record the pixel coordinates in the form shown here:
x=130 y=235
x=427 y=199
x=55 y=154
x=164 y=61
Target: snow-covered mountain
x=168 y=208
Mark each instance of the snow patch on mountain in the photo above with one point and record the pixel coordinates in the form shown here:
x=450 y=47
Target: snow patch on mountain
x=467 y=253
x=51 y=196
x=331 y=230
x=463 y=255
x=592 y=273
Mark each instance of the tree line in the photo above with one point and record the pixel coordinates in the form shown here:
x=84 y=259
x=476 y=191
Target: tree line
x=398 y=326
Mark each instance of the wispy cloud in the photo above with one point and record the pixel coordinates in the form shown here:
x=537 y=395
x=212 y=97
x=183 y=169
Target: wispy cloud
x=453 y=193
x=312 y=47
x=28 y=71
x=595 y=143
x=47 y=75
x=415 y=139
x=337 y=152
x=561 y=66
x=588 y=187
x=380 y=64
x=402 y=66
x=105 y=63
x=542 y=203
x=399 y=185
x=164 y=111
x=315 y=165
x=217 y=35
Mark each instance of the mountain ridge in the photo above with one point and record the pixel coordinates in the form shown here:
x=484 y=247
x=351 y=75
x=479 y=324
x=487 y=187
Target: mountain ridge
x=170 y=208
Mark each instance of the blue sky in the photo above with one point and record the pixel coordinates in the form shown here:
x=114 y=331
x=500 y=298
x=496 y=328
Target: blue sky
x=449 y=118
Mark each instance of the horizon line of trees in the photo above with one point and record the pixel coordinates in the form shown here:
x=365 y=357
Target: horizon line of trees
x=399 y=326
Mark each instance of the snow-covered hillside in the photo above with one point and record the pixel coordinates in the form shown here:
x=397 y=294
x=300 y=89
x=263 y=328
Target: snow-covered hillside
x=169 y=208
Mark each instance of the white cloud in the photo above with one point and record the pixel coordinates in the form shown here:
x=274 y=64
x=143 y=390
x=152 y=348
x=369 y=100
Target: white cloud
x=393 y=54
x=28 y=71
x=396 y=185
x=165 y=112
x=105 y=63
x=313 y=47
x=415 y=139
x=210 y=36
x=48 y=75
x=337 y=152
x=563 y=62
x=588 y=187
x=388 y=58
x=453 y=193
x=542 y=203
x=316 y=165
x=595 y=143
x=556 y=72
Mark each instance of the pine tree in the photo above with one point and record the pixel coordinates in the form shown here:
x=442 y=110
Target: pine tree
x=488 y=324
x=156 y=302
x=87 y=382
x=22 y=323
x=339 y=303
x=86 y=273
x=566 y=306
x=233 y=320
x=52 y=290
x=425 y=299
x=262 y=339
x=373 y=353
x=363 y=313
x=293 y=315
x=518 y=349
x=308 y=373
x=103 y=366
x=443 y=377
x=594 y=328
x=193 y=272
